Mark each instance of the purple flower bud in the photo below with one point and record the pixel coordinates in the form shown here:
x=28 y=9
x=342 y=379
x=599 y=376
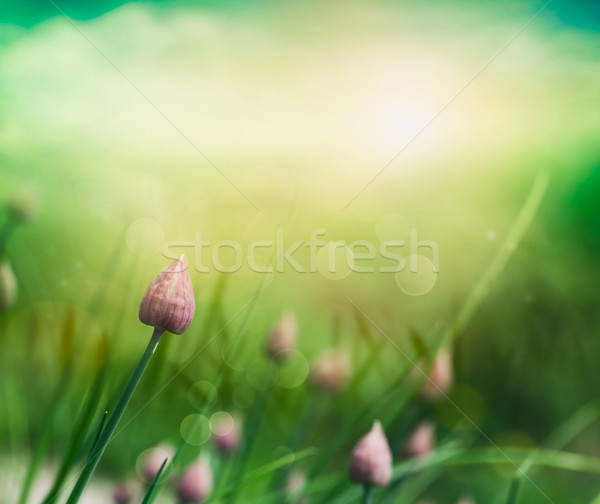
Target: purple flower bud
x=123 y=493
x=295 y=482
x=294 y=487
x=440 y=379
x=196 y=483
x=282 y=339
x=169 y=300
x=227 y=434
x=331 y=371
x=371 y=462
x=420 y=442
x=153 y=460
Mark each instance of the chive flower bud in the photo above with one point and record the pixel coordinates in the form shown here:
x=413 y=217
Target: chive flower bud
x=123 y=493
x=227 y=434
x=169 y=303
x=153 y=460
x=331 y=371
x=441 y=378
x=8 y=286
x=371 y=461
x=420 y=442
x=295 y=484
x=196 y=484
x=282 y=339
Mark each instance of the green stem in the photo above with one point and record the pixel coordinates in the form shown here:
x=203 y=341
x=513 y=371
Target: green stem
x=113 y=421
x=367 y=494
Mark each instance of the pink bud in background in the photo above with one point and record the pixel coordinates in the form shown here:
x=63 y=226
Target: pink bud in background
x=331 y=371
x=371 y=462
x=282 y=339
x=169 y=300
x=152 y=460
x=197 y=483
x=420 y=442
x=295 y=482
x=227 y=434
x=440 y=379
x=294 y=485
x=123 y=493
x=466 y=501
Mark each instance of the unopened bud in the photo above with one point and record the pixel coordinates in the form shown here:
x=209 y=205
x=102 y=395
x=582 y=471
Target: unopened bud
x=152 y=461
x=295 y=482
x=294 y=486
x=331 y=371
x=440 y=378
x=197 y=483
x=371 y=462
x=8 y=286
x=420 y=442
x=123 y=493
x=227 y=434
x=169 y=300
x=282 y=339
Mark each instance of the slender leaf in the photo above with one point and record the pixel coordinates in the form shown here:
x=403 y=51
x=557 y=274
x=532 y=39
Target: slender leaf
x=265 y=470
x=78 y=438
x=152 y=488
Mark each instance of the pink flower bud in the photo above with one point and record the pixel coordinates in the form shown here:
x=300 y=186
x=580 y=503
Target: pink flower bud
x=123 y=493
x=282 y=339
x=295 y=482
x=227 y=434
x=152 y=461
x=331 y=371
x=440 y=379
x=169 y=300
x=196 y=483
x=294 y=486
x=420 y=442
x=371 y=462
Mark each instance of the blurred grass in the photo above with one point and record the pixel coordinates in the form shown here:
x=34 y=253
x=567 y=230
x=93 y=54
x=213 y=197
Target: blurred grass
x=300 y=105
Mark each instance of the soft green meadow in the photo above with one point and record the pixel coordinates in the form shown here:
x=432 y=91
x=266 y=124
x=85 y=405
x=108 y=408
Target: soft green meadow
x=388 y=210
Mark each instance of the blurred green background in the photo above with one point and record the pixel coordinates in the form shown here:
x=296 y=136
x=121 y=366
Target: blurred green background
x=135 y=124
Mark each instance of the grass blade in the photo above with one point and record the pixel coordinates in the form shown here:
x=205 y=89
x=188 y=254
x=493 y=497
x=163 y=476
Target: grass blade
x=106 y=433
x=77 y=439
x=516 y=233
x=559 y=438
x=152 y=489
x=99 y=431
x=265 y=470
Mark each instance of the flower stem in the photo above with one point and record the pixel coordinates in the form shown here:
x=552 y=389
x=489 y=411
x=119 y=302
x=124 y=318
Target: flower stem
x=367 y=494
x=106 y=434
